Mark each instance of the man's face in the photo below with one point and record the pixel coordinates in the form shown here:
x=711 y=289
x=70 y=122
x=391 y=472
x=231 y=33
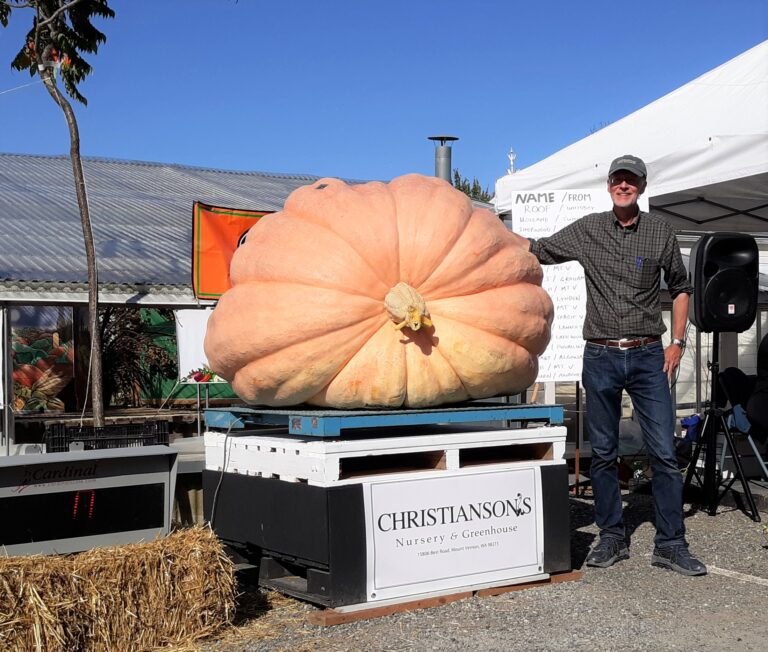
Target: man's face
x=625 y=187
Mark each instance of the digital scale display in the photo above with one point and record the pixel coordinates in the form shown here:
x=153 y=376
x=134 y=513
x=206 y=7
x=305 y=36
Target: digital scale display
x=87 y=512
x=68 y=502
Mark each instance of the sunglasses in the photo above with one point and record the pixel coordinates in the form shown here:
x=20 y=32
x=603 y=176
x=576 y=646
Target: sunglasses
x=631 y=179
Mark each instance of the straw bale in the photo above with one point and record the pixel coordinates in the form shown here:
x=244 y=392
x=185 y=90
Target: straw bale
x=135 y=597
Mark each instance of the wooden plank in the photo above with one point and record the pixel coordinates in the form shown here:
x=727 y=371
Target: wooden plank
x=328 y=617
x=417 y=440
x=325 y=463
x=553 y=579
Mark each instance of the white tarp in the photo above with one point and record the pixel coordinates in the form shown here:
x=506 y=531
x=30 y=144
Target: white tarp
x=708 y=139
x=190 y=333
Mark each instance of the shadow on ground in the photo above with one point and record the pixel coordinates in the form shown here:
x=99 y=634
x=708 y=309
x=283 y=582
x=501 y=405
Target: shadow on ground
x=638 y=509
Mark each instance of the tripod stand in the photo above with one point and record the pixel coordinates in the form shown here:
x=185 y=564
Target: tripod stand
x=713 y=418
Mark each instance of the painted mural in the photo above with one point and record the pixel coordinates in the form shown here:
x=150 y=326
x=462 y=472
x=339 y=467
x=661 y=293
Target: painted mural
x=43 y=350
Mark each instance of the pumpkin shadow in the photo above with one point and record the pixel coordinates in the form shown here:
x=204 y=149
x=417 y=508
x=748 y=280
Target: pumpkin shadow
x=424 y=338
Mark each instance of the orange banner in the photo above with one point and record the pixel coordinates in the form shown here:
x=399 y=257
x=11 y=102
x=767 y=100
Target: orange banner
x=216 y=233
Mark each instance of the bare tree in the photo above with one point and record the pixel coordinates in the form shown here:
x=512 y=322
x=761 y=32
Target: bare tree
x=61 y=31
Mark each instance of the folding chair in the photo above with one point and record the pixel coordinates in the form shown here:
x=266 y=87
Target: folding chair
x=737 y=388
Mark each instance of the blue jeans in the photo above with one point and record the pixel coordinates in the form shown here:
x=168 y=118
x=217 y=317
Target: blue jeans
x=606 y=372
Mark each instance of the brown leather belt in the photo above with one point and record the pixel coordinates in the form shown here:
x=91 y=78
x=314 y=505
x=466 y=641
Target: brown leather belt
x=626 y=342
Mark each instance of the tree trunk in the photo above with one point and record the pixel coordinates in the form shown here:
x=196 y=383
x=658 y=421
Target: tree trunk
x=97 y=400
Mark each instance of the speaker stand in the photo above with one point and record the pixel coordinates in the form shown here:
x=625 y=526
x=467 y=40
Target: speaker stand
x=714 y=417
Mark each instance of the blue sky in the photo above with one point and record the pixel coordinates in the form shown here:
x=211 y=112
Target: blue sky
x=352 y=88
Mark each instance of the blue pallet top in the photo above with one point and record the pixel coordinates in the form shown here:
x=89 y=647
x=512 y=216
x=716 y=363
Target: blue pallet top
x=303 y=420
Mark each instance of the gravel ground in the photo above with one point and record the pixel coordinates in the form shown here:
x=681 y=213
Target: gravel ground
x=630 y=606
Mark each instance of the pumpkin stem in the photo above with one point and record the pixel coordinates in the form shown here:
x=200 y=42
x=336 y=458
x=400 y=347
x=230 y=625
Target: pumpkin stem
x=407 y=308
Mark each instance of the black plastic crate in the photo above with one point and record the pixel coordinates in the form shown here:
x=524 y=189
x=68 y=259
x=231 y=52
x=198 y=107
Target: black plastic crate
x=59 y=437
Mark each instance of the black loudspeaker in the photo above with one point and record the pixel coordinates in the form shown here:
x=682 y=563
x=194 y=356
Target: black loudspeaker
x=724 y=270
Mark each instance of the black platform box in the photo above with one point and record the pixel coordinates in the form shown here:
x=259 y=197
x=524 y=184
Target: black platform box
x=310 y=542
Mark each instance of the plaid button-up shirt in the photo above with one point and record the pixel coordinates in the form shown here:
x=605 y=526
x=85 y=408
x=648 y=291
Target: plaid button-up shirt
x=622 y=268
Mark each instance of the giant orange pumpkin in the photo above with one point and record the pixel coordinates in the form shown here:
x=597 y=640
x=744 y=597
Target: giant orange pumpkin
x=400 y=295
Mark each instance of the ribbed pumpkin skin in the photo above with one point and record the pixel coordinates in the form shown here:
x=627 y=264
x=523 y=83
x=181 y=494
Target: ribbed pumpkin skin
x=305 y=320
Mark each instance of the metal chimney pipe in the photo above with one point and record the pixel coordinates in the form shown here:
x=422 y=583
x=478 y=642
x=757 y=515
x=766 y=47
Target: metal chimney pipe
x=443 y=156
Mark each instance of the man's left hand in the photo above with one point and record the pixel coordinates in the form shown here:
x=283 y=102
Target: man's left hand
x=672 y=356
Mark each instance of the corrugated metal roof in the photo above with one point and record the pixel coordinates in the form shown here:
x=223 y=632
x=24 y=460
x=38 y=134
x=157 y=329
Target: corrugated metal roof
x=141 y=215
x=142 y=224
x=52 y=292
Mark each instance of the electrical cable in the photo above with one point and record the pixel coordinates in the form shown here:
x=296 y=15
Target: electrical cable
x=227 y=446
x=171 y=393
x=16 y=88
x=87 y=382
x=676 y=375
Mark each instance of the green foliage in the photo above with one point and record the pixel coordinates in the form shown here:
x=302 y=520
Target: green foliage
x=61 y=31
x=136 y=352
x=473 y=190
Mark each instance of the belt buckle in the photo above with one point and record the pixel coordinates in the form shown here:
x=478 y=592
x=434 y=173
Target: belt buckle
x=624 y=340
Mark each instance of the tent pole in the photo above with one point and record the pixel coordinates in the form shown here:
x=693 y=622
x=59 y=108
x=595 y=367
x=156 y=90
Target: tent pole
x=579 y=439
x=199 y=425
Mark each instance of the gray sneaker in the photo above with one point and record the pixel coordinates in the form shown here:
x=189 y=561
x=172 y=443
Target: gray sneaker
x=607 y=552
x=678 y=559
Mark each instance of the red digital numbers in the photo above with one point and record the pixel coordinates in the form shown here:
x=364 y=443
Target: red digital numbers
x=83 y=498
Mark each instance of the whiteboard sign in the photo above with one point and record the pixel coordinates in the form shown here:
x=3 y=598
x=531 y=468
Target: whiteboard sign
x=451 y=531
x=540 y=214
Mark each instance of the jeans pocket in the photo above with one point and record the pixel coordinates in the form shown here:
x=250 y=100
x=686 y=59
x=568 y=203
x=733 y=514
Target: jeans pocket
x=594 y=351
x=651 y=357
x=655 y=348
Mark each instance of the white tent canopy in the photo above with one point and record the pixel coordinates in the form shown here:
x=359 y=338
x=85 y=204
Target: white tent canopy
x=705 y=145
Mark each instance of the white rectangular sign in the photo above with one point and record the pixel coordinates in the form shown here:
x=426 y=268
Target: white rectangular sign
x=191 y=326
x=540 y=214
x=451 y=531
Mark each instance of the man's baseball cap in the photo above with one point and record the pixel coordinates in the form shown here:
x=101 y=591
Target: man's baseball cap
x=630 y=163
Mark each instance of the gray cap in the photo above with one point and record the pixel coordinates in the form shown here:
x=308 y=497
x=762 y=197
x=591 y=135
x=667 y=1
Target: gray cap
x=630 y=163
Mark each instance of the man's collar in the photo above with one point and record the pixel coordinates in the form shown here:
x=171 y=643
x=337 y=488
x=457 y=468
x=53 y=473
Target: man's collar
x=632 y=226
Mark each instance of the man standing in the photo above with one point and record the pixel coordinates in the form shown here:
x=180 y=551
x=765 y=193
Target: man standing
x=623 y=252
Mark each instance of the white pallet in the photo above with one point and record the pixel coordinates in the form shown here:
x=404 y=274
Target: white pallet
x=326 y=462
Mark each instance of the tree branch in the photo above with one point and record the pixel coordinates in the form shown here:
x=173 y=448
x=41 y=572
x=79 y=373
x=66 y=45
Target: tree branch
x=20 y=5
x=56 y=13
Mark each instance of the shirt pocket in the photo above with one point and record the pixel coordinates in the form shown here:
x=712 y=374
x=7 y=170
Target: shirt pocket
x=644 y=272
